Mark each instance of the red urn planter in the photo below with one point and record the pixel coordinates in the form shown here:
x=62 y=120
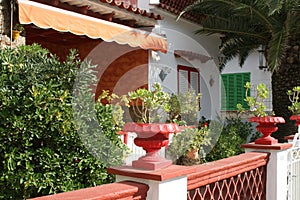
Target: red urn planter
x=267 y=125
x=151 y=137
x=297 y=118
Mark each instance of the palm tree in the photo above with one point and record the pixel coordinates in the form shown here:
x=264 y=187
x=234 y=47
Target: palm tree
x=245 y=26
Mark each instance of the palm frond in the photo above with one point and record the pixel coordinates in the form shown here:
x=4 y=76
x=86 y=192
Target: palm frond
x=247 y=24
x=241 y=47
x=276 y=50
x=275 y=6
x=238 y=26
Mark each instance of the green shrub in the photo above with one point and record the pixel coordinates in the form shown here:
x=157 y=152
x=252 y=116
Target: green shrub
x=189 y=140
x=40 y=150
x=184 y=108
x=234 y=133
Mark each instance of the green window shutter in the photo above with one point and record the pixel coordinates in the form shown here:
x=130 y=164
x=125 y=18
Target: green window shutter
x=234 y=91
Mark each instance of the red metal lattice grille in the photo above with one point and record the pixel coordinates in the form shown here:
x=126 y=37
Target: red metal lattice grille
x=250 y=185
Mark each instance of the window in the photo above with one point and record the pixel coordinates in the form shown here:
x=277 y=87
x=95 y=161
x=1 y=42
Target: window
x=234 y=90
x=188 y=78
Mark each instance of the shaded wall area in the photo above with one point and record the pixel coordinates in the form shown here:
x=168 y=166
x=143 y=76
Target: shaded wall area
x=60 y=43
x=125 y=73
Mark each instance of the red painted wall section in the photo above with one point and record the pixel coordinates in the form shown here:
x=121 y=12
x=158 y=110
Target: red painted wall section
x=125 y=190
x=83 y=44
x=123 y=72
x=120 y=68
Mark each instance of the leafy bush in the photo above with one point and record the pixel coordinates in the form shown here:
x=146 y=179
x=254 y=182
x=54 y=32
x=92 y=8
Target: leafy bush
x=294 y=97
x=189 y=140
x=40 y=150
x=184 y=108
x=234 y=133
x=148 y=106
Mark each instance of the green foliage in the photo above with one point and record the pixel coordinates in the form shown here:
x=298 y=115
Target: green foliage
x=148 y=105
x=294 y=96
x=97 y=124
x=184 y=108
x=189 y=139
x=234 y=133
x=40 y=150
x=256 y=103
x=248 y=24
x=19 y=27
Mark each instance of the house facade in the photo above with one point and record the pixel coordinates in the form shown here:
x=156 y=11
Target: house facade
x=137 y=43
x=193 y=62
x=114 y=35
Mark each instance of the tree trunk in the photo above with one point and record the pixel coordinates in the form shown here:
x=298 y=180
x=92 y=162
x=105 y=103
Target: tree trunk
x=283 y=80
x=5 y=17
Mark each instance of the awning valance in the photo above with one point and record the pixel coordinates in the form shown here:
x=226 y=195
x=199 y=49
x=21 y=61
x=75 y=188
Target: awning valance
x=192 y=55
x=45 y=16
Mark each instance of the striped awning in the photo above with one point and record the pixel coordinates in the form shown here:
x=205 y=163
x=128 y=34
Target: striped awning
x=45 y=16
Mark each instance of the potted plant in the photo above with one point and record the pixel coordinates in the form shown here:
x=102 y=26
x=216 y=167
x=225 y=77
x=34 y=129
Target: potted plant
x=184 y=108
x=294 y=96
x=17 y=30
x=149 y=106
x=267 y=121
x=184 y=149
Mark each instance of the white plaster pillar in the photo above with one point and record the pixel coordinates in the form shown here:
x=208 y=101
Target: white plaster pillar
x=168 y=183
x=175 y=188
x=277 y=168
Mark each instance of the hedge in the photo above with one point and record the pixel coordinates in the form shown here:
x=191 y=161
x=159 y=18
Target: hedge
x=41 y=148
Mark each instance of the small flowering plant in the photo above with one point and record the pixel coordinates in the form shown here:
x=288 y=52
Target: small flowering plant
x=294 y=97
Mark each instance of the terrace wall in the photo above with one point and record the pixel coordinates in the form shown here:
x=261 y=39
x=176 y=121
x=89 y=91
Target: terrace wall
x=126 y=190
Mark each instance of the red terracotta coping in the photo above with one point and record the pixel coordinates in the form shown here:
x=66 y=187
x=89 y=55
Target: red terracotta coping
x=222 y=169
x=122 y=190
x=278 y=146
x=170 y=172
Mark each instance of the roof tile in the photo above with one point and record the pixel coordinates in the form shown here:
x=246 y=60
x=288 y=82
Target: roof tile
x=127 y=5
x=176 y=6
x=122 y=9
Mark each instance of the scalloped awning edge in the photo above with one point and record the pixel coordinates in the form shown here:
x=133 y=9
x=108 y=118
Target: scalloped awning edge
x=45 y=16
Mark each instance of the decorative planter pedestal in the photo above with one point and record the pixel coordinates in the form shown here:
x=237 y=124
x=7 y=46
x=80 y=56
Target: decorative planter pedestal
x=151 y=137
x=266 y=125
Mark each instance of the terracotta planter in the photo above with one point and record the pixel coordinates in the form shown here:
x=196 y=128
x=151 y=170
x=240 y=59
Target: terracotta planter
x=151 y=137
x=267 y=125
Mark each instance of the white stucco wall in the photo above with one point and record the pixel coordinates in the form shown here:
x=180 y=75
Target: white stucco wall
x=180 y=36
x=250 y=65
